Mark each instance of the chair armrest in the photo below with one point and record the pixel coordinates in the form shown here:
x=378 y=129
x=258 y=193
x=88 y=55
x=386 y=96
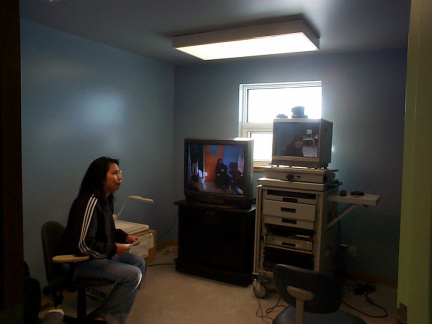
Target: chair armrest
x=300 y=294
x=69 y=258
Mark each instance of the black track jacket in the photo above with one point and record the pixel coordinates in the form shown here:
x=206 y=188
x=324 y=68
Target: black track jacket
x=91 y=230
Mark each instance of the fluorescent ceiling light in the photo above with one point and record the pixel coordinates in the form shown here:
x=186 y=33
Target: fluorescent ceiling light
x=276 y=38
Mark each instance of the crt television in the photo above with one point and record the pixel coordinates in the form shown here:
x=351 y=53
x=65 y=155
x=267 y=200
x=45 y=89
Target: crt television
x=219 y=172
x=302 y=142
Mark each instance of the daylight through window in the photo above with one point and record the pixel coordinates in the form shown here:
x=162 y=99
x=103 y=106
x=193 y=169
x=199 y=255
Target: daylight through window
x=261 y=103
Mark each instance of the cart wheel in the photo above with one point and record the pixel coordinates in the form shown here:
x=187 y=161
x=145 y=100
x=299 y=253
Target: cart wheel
x=260 y=289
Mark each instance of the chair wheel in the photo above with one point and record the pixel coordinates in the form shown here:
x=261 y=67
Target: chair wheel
x=260 y=290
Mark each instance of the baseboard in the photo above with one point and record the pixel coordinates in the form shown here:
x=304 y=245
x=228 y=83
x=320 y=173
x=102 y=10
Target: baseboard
x=364 y=277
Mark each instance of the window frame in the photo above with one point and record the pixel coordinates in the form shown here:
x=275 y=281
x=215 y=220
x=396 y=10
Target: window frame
x=246 y=128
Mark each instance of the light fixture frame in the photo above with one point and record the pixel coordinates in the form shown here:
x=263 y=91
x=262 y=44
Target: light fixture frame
x=245 y=33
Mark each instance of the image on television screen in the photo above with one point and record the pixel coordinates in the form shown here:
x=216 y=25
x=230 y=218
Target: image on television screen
x=216 y=168
x=296 y=139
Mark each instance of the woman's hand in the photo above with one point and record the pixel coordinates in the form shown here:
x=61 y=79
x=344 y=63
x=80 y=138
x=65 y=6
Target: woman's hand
x=131 y=238
x=122 y=249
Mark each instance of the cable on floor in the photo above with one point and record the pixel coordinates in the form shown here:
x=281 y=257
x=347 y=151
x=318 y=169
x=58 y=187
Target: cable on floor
x=264 y=315
x=358 y=288
x=366 y=289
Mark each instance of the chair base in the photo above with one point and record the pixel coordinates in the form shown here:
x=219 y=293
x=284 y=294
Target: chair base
x=73 y=320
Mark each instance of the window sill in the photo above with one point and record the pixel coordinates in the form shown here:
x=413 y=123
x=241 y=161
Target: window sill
x=258 y=168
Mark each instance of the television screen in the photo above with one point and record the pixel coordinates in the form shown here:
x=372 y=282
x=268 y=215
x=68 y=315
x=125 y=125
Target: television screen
x=219 y=172
x=302 y=142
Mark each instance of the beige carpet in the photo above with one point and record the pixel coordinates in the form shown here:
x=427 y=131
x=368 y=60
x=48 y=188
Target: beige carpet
x=170 y=297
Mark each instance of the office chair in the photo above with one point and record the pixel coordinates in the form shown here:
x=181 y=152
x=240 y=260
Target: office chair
x=32 y=302
x=314 y=297
x=57 y=280
x=54 y=316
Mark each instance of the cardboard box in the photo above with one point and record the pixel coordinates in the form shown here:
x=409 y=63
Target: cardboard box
x=152 y=252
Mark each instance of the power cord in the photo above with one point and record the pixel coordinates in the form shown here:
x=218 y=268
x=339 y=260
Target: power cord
x=358 y=288
x=264 y=315
x=366 y=289
x=366 y=314
x=370 y=301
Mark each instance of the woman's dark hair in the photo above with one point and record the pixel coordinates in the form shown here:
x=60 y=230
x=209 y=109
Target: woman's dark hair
x=92 y=182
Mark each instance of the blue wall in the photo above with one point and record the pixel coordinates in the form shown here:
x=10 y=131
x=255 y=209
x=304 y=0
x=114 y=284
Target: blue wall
x=364 y=97
x=82 y=100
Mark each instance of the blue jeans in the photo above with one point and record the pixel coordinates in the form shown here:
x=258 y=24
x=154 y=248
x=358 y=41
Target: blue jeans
x=126 y=271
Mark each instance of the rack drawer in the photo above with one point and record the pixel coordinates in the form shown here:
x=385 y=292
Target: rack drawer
x=289 y=210
x=291 y=196
x=289 y=214
x=283 y=221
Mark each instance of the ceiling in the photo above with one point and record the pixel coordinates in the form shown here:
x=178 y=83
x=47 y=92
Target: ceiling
x=145 y=27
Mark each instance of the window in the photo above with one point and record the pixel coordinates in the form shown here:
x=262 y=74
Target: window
x=261 y=103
